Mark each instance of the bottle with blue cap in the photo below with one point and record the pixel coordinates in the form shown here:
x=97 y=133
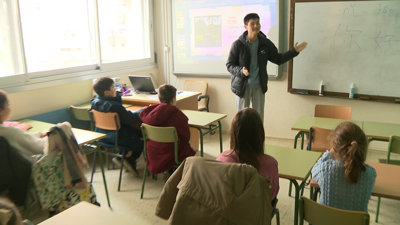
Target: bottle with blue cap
x=351 y=95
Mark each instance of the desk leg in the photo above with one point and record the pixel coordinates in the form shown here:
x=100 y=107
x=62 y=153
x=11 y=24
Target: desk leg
x=201 y=140
x=102 y=172
x=296 y=199
x=220 y=136
x=194 y=138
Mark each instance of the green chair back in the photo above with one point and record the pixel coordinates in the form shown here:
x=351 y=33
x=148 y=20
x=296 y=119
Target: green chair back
x=316 y=214
x=394 y=147
x=160 y=134
x=82 y=114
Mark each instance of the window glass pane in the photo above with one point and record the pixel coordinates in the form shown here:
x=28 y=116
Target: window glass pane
x=10 y=47
x=57 y=34
x=124 y=30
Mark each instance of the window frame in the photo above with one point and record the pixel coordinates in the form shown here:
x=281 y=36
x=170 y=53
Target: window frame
x=29 y=81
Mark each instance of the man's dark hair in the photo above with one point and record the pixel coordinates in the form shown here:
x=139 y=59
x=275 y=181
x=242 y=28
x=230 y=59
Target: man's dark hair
x=250 y=16
x=166 y=93
x=102 y=84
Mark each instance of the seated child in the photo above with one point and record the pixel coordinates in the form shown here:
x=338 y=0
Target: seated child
x=129 y=137
x=161 y=156
x=28 y=144
x=247 y=146
x=345 y=180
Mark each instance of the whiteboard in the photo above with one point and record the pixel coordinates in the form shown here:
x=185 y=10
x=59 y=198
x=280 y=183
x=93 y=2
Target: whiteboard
x=348 y=42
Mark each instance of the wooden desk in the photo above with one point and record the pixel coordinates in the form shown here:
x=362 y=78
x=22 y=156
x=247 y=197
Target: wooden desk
x=85 y=213
x=199 y=120
x=89 y=105
x=374 y=130
x=294 y=165
x=304 y=123
x=184 y=100
x=380 y=131
x=82 y=136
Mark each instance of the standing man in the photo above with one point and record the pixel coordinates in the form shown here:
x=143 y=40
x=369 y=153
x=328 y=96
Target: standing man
x=247 y=63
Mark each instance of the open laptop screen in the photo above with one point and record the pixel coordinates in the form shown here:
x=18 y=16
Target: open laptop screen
x=142 y=84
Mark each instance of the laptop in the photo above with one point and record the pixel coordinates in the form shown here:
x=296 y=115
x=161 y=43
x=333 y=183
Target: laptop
x=142 y=84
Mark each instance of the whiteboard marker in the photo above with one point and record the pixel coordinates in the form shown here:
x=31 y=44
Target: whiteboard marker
x=321 y=89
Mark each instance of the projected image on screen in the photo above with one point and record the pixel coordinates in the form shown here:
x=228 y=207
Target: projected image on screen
x=203 y=31
x=207 y=30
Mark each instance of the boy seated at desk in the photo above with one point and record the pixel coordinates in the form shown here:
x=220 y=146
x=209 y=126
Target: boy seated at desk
x=129 y=137
x=161 y=156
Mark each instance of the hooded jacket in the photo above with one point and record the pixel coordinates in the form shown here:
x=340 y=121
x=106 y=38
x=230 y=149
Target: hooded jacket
x=240 y=56
x=161 y=156
x=128 y=137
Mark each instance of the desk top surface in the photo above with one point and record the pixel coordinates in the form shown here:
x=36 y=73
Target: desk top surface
x=293 y=163
x=305 y=122
x=89 y=105
x=387 y=183
x=381 y=130
x=82 y=136
x=85 y=213
x=153 y=99
x=202 y=119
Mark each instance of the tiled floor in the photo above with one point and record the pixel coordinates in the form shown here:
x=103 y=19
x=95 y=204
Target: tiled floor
x=128 y=202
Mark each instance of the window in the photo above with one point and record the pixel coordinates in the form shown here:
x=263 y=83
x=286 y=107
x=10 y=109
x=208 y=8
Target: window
x=120 y=24
x=56 y=39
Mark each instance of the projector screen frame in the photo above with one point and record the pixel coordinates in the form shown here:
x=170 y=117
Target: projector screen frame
x=278 y=44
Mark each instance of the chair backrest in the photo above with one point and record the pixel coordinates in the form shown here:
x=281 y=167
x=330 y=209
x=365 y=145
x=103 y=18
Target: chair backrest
x=160 y=134
x=333 y=111
x=106 y=121
x=198 y=86
x=319 y=139
x=393 y=147
x=78 y=113
x=315 y=213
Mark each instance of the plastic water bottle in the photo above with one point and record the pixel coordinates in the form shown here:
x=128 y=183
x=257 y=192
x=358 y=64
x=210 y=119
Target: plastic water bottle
x=351 y=95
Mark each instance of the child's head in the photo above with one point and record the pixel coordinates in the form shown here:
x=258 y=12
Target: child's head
x=247 y=136
x=167 y=94
x=350 y=144
x=104 y=87
x=5 y=107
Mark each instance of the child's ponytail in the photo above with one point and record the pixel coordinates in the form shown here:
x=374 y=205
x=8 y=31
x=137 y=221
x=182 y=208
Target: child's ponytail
x=350 y=142
x=353 y=162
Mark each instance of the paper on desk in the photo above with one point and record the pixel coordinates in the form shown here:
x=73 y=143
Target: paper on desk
x=154 y=97
x=184 y=93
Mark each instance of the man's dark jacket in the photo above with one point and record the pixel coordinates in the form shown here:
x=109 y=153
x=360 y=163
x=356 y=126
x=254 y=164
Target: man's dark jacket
x=239 y=57
x=128 y=137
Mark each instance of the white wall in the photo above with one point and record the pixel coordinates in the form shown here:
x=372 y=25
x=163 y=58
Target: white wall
x=33 y=102
x=281 y=108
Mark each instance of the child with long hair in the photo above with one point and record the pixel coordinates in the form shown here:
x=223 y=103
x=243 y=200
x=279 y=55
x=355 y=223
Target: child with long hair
x=247 y=146
x=345 y=180
x=26 y=143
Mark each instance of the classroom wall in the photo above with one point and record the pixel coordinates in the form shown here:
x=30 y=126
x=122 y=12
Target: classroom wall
x=281 y=108
x=33 y=102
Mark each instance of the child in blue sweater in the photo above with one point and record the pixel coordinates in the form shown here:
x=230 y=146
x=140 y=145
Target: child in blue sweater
x=345 y=180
